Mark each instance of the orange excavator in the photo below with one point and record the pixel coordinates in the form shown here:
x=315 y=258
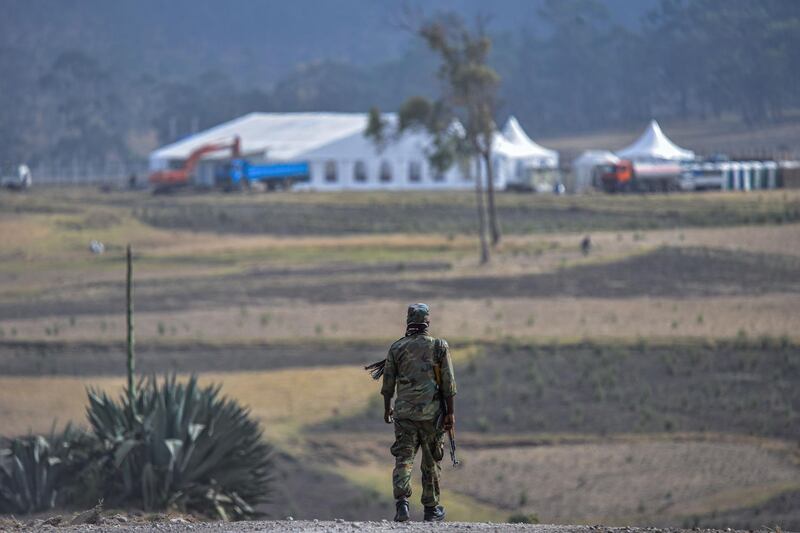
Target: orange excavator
x=167 y=179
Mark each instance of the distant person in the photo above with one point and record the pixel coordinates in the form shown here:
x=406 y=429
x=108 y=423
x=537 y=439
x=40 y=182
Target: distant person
x=132 y=179
x=418 y=424
x=586 y=245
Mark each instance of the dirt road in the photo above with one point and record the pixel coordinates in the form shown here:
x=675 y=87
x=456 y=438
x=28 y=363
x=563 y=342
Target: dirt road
x=180 y=526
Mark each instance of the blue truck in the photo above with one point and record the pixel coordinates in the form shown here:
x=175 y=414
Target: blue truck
x=240 y=173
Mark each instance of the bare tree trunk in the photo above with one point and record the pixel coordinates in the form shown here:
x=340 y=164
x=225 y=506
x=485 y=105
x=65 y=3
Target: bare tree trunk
x=485 y=257
x=494 y=226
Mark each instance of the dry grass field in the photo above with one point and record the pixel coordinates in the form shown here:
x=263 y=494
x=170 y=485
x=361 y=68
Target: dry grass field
x=653 y=381
x=657 y=481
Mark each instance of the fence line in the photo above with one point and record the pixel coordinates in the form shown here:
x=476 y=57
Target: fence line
x=75 y=172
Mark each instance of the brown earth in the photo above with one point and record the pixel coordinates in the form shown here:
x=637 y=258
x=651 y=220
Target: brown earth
x=664 y=272
x=621 y=483
x=35 y=358
x=733 y=387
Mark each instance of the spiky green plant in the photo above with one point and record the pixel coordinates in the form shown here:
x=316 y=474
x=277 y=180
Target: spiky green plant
x=37 y=472
x=181 y=446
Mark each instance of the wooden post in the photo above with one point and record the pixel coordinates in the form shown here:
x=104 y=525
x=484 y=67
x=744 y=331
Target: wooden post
x=129 y=298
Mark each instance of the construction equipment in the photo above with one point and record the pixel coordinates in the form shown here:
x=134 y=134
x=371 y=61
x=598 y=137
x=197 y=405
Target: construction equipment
x=242 y=173
x=168 y=179
x=627 y=176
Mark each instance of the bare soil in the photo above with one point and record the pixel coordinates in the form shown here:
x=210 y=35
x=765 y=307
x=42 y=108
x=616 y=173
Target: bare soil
x=630 y=483
x=36 y=358
x=745 y=387
x=303 y=490
x=781 y=511
x=665 y=272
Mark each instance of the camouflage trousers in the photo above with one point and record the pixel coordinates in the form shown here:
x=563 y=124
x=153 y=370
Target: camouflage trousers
x=410 y=436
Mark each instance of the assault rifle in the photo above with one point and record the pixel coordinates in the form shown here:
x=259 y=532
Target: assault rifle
x=451 y=433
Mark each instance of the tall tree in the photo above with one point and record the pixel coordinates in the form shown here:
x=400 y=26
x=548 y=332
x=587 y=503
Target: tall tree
x=461 y=120
x=470 y=91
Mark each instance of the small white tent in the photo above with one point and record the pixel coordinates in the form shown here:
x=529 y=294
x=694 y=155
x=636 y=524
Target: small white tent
x=527 y=164
x=583 y=167
x=653 y=145
x=518 y=142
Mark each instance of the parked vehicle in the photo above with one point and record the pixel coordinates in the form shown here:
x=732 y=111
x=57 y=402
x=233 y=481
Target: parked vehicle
x=22 y=181
x=627 y=176
x=703 y=176
x=170 y=179
x=241 y=173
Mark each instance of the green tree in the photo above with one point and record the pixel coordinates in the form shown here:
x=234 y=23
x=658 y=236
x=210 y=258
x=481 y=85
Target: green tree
x=461 y=120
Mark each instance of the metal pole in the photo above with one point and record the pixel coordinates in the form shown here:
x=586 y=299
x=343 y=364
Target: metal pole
x=129 y=297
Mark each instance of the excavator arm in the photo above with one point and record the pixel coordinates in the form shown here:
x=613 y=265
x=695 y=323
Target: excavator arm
x=182 y=176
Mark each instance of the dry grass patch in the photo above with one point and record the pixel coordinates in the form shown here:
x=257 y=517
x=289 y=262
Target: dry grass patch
x=519 y=318
x=284 y=400
x=624 y=483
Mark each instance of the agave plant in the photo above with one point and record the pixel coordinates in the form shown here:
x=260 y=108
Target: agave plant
x=37 y=472
x=183 y=446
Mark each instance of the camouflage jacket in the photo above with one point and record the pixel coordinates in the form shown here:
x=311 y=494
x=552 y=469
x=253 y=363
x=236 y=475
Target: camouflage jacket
x=409 y=368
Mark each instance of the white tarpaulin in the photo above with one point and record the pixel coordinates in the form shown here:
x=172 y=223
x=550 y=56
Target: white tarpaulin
x=653 y=145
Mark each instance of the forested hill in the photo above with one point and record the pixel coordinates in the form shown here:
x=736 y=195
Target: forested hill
x=94 y=80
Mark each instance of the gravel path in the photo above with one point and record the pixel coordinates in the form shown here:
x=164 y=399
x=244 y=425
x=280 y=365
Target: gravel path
x=317 y=526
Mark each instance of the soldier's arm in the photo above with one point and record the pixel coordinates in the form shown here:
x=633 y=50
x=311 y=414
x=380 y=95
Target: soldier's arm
x=387 y=389
x=449 y=388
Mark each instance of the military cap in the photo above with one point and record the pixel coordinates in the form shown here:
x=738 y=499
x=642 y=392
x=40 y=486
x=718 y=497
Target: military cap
x=417 y=313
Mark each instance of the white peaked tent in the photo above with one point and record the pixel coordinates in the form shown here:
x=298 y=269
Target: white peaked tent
x=518 y=144
x=653 y=145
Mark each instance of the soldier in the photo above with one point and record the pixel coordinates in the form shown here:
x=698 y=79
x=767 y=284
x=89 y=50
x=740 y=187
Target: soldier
x=409 y=368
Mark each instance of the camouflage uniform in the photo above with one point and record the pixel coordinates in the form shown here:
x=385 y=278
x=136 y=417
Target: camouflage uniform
x=409 y=370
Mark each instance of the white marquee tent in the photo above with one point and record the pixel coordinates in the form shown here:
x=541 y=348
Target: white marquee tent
x=653 y=145
x=340 y=157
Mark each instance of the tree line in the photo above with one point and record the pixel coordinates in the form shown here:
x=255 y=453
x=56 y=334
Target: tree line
x=582 y=70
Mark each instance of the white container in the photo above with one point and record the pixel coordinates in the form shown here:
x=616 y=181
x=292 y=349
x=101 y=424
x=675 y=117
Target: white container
x=771 y=170
x=736 y=176
x=747 y=175
x=725 y=169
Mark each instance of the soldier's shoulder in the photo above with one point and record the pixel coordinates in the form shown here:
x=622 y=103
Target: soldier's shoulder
x=442 y=343
x=399 y=342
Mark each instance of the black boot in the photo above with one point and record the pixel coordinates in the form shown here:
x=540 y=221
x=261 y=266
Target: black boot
x=434 y=514
x=402 y=511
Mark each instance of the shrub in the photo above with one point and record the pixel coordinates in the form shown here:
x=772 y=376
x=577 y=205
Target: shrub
x=520 y=518
x=37 y=472
x=180 y=446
